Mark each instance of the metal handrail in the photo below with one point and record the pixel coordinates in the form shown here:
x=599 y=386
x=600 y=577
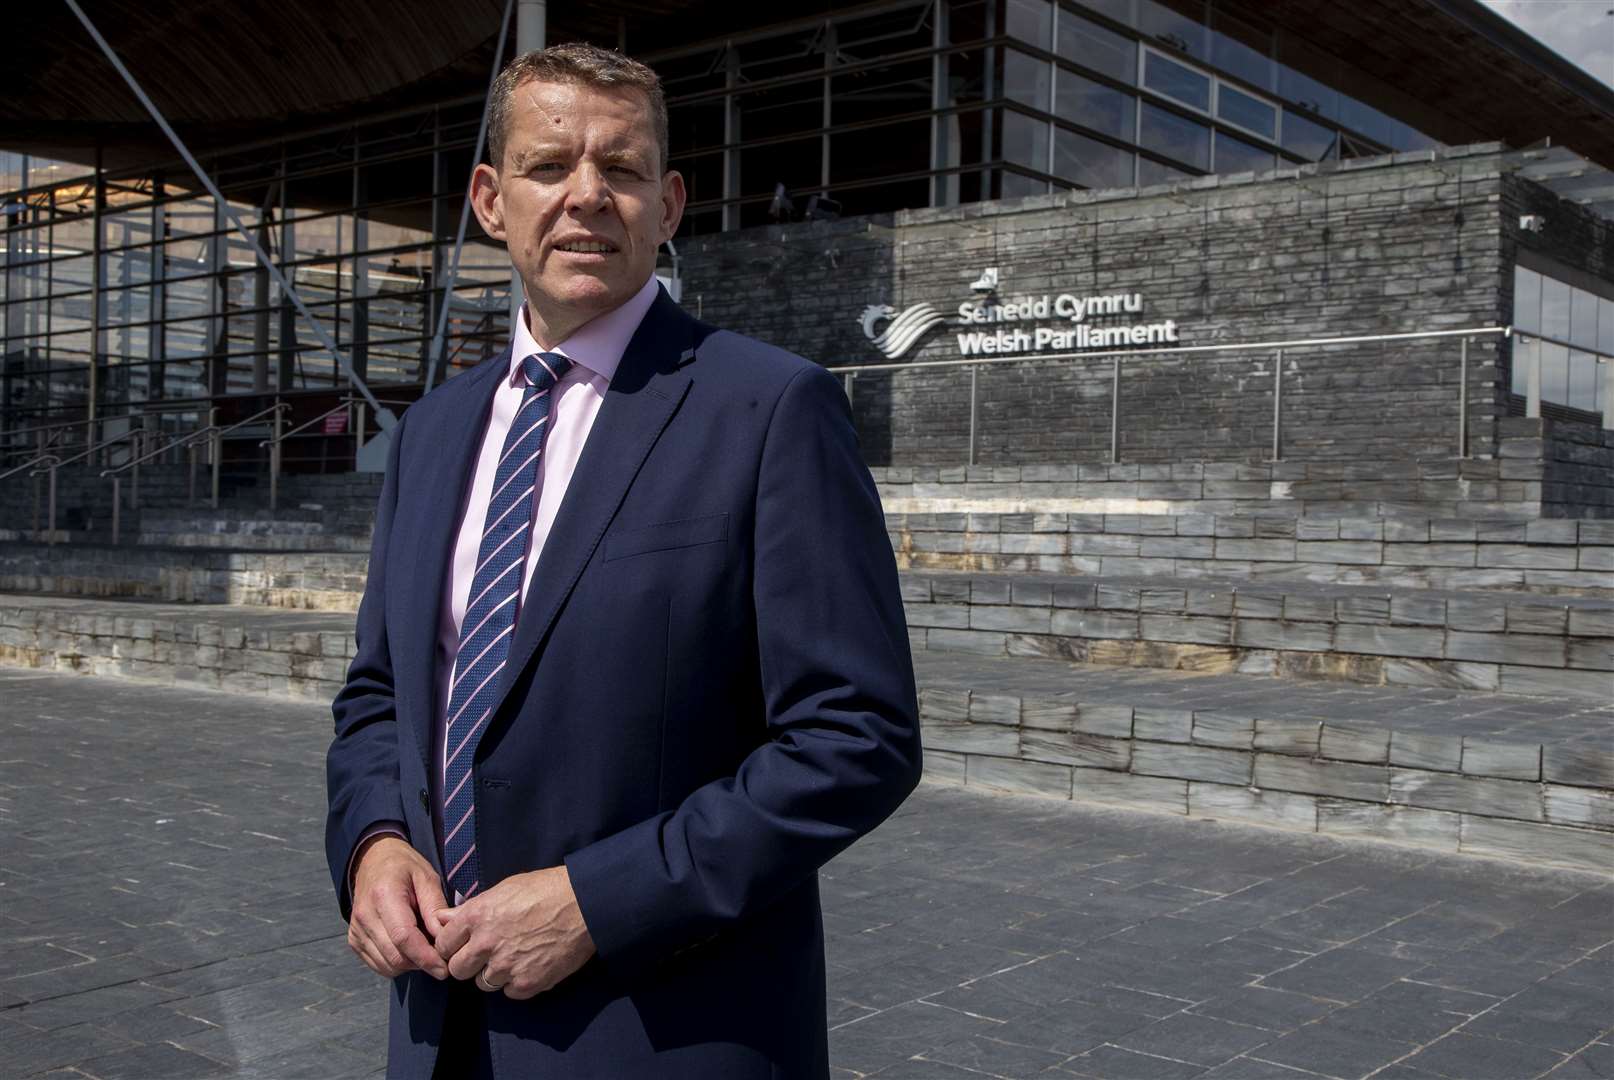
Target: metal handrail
x=124 y=437
x=173 y=442
x=40 y=460
x=220 y=432
x=283 y=436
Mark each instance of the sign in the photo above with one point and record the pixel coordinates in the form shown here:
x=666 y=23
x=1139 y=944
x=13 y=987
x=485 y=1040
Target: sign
x=336 y=423
x=988 y=326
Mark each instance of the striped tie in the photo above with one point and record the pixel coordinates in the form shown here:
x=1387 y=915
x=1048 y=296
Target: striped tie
x=490 y=617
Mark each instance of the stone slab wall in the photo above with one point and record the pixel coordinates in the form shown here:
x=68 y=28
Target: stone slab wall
x=1543 y=556
x=218 y=655
x=1511 y=644
x=320 y=580
x=1545 y=803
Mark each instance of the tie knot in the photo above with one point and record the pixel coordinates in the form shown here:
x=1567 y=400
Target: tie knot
x=545 y=369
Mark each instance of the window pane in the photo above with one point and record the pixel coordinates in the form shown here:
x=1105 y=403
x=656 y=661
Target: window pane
x=1031 y=20
x=1242 y=50
x=1152 y=172
x=1025 y=79
x=1173 y=28
x=1554 y=373
x=1175 y=136
x=1582 y=381
x=1583 y=318
x=1236 y=155
x=1524 y=354
x=1364 y=118
x=1090 y=163
x=1526 y=299
x=1094 y=105
x=1025 y=141
x=1306 y=139
x=794 y=164
x=1119 y=10
x=1554 y=308
x=1175 y=81
x=1093 y=46
x=1306 y=92
x=1016 y=186
x=1239 y=108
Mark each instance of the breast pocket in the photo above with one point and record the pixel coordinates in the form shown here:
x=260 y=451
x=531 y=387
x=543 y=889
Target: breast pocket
x=666 y=535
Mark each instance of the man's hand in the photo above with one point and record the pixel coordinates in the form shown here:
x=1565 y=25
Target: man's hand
x=522 y=936
x=395 y=891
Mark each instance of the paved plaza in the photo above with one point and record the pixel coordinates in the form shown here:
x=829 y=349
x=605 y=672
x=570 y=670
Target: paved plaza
x=165 y=912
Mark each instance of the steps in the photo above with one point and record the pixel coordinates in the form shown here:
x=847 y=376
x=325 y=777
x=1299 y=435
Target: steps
x=1529 y=778
x=1543 y=556
x=1526 y=777
x=1511 y=643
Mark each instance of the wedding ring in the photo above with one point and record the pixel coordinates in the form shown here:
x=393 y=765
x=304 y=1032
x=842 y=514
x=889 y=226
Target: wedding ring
x=483 y=984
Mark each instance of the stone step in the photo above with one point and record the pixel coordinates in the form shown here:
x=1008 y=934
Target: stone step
x=316 y=578
x=1528 y=778
x=1511 y=643
x=1523 y=778
x=1548 y=556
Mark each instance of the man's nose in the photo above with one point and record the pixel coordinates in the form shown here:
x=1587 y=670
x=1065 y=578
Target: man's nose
x=588 y=191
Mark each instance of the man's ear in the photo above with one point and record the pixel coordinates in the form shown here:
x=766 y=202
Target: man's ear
x=673 y=197
x=487 y=201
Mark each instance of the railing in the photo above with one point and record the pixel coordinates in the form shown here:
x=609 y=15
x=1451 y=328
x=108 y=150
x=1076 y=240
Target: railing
x=52 y=464
x=1276 y=349
x=273 y=443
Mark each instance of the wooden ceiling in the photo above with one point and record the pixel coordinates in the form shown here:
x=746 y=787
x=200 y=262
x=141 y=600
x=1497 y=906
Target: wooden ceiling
x=235 y=74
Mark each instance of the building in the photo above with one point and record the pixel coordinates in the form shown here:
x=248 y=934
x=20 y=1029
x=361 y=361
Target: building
x=1222 y=173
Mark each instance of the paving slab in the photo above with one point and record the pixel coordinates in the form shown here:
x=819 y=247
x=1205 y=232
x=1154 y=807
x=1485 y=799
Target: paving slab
x=165 y=911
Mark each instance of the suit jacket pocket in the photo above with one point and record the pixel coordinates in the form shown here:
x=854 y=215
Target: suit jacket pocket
x=689 y=532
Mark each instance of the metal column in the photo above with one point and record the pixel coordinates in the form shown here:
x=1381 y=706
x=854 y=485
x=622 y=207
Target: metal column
x=1462 y=402
x=1277 y=406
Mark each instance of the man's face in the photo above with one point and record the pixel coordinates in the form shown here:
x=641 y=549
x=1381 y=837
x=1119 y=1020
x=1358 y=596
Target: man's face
x=579 y=199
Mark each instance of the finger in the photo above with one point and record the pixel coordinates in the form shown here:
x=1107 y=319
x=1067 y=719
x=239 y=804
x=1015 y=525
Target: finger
x=471 y=958
x=397 y=917
x=429 y=900
x=374 y=930
x=384 y=960
x=457 y=927
x=366 y=950
x=521 y=990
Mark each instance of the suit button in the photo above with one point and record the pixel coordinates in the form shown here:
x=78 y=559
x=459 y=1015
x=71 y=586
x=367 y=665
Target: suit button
x=425 y=801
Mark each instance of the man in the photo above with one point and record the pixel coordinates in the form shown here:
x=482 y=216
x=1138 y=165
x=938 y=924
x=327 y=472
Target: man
x=631 y=657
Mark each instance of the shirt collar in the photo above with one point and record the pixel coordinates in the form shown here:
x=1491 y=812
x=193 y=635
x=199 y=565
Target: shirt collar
x=598 y=344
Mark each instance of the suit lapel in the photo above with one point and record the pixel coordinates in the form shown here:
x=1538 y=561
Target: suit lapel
x=645 y=392
x=446 y=467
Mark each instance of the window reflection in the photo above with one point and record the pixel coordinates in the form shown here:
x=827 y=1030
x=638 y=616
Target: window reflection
x=1176 y=81
x=1175 y=136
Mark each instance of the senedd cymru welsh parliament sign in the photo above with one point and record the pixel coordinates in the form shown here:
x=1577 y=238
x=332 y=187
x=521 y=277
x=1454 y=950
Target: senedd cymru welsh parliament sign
x=987 y=326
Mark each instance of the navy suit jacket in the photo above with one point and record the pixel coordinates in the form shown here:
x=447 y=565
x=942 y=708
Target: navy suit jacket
x=709 y=695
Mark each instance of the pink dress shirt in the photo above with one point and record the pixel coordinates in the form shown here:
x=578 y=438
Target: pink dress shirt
x=595 y=350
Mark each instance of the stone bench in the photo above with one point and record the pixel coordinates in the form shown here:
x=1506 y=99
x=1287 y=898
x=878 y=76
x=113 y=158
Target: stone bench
x=1545 y=555
x=1408 y=637
x=1208 y=747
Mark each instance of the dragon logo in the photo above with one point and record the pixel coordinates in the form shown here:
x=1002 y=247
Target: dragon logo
x=901 y=332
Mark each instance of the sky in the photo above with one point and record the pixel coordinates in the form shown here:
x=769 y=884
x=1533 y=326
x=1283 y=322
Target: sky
x=1581 y=31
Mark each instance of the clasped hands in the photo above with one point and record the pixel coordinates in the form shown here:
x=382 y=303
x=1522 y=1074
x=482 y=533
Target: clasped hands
x=522 y=936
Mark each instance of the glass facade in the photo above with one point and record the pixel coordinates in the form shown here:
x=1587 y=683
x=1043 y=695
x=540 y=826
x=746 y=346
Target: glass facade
x=934 y=103
x=1555 y=309
x=131 y=287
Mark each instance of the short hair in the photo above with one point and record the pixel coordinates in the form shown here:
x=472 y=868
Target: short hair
x=580 y=64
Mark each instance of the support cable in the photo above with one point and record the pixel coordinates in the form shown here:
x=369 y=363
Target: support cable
x=384 y=416
x=438 y=345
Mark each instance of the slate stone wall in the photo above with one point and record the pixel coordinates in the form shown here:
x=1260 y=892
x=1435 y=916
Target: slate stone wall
x=1385 y=245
